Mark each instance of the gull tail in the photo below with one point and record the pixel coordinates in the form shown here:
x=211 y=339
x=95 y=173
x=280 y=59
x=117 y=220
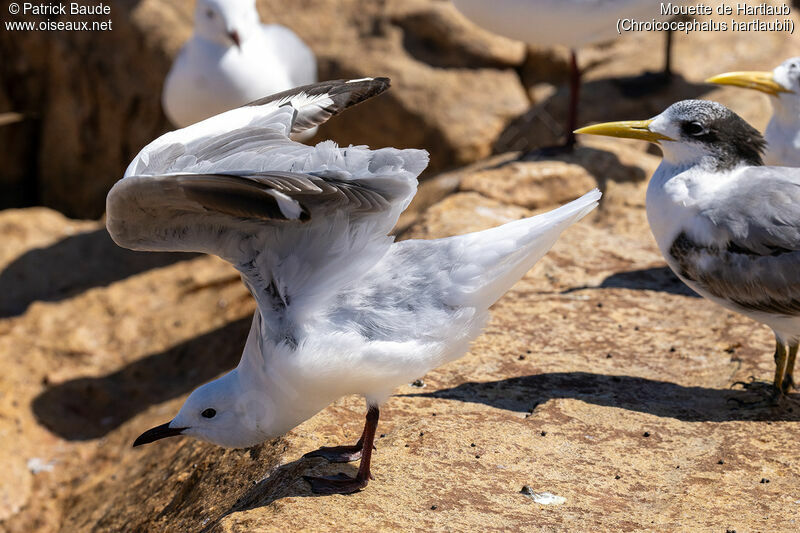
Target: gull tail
x=491 y=261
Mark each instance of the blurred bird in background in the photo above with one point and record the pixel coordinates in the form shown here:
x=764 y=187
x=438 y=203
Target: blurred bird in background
x=783 y=86
x=572 y=23
x=232 y=59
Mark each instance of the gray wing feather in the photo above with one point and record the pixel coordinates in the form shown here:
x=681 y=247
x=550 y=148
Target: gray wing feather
x=761 y=214
x=231 y=202
x=758 y=267
x=762 y=283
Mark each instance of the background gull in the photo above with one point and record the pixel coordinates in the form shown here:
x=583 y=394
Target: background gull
x=572 y=23
x=728 y=226
x=341 y=308
x=783 y=87
x=232 y=59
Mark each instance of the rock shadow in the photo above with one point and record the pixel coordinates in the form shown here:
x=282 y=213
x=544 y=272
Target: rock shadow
x=602 y=100
x=659 y=398
x=660 y=279
x=286 y=481
x=90 y=407
x=594 y=160
x=71 y=266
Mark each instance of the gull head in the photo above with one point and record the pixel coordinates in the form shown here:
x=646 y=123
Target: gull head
x=217 y=412
x=692 y=132
x=783 y=83
x=226 y=22
x=258 y=400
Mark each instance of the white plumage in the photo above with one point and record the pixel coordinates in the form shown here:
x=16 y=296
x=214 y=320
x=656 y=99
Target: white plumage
x=342 y=309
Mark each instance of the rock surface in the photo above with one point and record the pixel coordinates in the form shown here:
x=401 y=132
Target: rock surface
x=600 y=379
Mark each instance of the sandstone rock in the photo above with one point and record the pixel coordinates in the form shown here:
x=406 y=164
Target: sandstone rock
x=439 y=35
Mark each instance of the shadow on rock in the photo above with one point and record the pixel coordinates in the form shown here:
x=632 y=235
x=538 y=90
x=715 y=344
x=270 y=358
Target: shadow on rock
x=604 y=166
x=660 y=279
x=601 y=101
x=90 y=407
x=71 y=266
x=286 y=481
x=660 y=398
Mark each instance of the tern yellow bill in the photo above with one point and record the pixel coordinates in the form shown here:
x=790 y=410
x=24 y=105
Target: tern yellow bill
x=628 y=129
x=759 y=81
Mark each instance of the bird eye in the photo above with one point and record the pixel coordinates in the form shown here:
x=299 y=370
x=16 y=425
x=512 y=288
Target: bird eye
x=210 y=13
x=694 y=128
x=208 y=413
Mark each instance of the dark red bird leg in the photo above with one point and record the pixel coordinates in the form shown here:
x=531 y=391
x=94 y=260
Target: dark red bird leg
x=574 y=97
x=342 y=483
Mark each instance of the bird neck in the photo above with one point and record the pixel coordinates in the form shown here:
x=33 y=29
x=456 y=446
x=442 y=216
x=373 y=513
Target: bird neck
x=680 y=157
x=274 y=386
x=785 y=112
x=206 y=44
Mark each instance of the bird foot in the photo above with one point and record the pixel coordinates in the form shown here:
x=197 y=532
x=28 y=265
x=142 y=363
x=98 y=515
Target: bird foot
x=338 y=454
x=788 y=384
x=645 y=85
x=767 y=394
x=338 y=484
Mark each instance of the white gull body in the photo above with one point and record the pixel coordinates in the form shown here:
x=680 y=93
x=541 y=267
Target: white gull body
x=572 y=23
x=342 y=309
x=232 y=59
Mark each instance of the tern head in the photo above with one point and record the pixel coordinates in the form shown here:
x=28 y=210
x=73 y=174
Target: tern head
x=694 y=132
x=783 y=83
x=225 y=22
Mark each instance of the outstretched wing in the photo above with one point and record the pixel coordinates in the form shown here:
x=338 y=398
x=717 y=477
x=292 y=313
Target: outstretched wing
x=245 y=130
x=297 y=221
x=758 y=219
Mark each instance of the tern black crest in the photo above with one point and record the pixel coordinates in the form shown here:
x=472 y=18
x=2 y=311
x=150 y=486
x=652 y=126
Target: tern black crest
x=722 y=131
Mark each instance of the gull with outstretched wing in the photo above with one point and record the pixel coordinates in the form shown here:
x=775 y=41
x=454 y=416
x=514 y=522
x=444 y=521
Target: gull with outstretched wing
x=342 y=308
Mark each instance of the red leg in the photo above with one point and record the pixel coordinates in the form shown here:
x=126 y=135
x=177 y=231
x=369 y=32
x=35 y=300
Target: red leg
x=342 y=483
x=574 y=97
x=668 y=56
